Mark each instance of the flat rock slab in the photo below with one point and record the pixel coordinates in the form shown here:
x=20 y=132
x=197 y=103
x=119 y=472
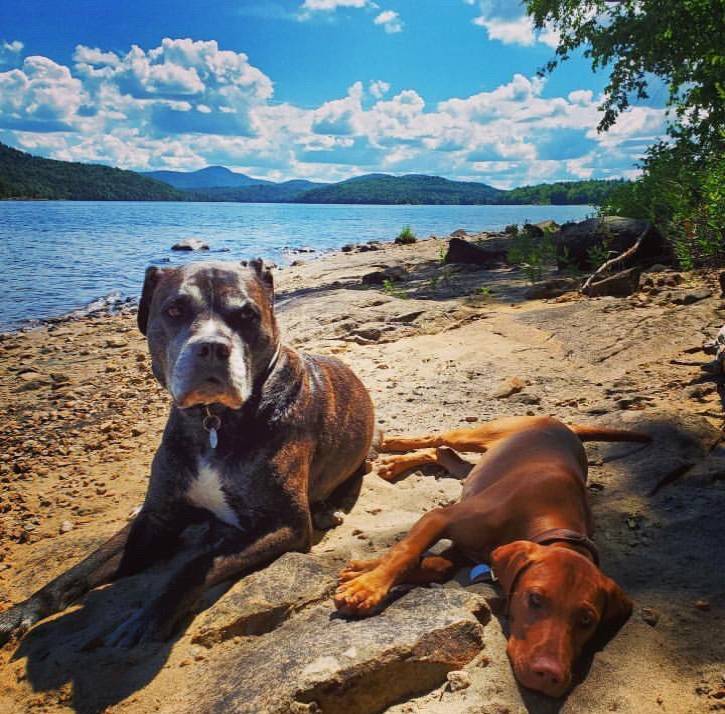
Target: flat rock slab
x=261 y=601
x=322 y=662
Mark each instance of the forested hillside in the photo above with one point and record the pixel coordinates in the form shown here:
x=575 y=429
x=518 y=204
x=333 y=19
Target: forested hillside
x=26 y=176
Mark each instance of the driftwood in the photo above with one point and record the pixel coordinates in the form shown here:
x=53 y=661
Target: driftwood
x=590 y=285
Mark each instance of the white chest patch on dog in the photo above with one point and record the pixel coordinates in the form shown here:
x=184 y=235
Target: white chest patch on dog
x=206 y=492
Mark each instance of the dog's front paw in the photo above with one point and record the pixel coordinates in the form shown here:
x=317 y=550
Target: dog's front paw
x=16 y=621
x=363 y=593
x=143 y=627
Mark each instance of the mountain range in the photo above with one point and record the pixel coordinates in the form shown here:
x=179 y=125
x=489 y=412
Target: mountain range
x=26 y=176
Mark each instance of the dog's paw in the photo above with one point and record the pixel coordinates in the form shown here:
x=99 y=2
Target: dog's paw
x=390 y=467
x=362 y=594
x=355 y=567
x=142 y=627
x=16 y=621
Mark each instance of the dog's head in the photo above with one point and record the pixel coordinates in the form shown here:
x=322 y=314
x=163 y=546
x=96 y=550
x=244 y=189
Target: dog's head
x=559 y=602
x=211 y=330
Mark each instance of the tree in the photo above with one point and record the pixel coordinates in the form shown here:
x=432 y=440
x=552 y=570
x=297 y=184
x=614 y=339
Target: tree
x=682 y=43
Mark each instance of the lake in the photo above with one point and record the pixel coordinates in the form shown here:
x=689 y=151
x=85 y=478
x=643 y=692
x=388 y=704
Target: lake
x=58 y=256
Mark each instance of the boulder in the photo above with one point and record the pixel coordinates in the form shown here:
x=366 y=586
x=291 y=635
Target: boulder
x=190 y=244
x=394 y=273
x=621 y=284
x=459 y=233
x=322 y=662
x=574 y=241
x=488 y=253
x=551 y=288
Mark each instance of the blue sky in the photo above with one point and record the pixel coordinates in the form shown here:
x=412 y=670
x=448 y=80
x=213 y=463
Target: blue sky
x=319 y=89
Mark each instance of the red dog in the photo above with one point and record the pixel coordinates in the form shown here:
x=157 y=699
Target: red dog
x=523 y=509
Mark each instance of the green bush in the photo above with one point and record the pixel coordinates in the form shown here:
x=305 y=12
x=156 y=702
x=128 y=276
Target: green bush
x=682 y=192
x=406 y=236
x=532 y=253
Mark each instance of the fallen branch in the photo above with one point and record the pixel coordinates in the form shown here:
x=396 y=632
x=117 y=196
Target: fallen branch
x=614 y=261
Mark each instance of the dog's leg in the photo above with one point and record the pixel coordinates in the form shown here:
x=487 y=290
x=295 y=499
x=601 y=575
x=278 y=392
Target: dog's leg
x=475 y=439
x=133 y=548
x=361 y=594
x=390 y=467
x=226 y=559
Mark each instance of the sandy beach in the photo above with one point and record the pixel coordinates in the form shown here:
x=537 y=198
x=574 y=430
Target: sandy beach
x=445 y=346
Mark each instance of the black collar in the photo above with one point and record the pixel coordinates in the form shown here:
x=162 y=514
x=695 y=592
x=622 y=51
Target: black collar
x=564 y=534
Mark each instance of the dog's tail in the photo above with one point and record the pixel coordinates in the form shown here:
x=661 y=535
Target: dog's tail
x=601 y=433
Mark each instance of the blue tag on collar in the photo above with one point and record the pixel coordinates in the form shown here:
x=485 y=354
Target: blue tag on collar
x=480 y=573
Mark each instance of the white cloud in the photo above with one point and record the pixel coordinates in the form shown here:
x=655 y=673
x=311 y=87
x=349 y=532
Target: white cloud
x=330 y=5
x=15 y=47
x=378 y=88
x=390 y=20
x=187 y=104
x=10 y=52
x=505 y=21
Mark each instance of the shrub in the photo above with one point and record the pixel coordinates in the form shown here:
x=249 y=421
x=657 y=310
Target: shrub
x=682 y=192
x=406 y=236
x=512 y=229
x=532 y=253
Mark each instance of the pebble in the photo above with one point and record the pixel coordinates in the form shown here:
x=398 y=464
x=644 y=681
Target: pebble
x=650 y=616
x=66 y=526
x=702 y=605
x=458 y=679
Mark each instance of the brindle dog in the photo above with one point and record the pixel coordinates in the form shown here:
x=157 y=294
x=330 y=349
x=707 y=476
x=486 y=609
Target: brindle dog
x=257 y=433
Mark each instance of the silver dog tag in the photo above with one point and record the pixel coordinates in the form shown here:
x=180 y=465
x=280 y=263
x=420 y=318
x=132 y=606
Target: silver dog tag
x=213 y=438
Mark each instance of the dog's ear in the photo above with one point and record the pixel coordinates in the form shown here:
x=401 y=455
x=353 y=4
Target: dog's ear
x=264 y=273
x=151 y=280
x=617 y=609
x=508 y=561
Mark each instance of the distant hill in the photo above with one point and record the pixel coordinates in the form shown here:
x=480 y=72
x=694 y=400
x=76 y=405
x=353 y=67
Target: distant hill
x=210 y=177
x=26 y=176
x=411 y=189
x=564 y=193
x=285 y=192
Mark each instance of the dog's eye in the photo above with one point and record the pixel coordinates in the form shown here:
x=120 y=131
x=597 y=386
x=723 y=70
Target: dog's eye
x=536 y=600
x=586 y=619
x=175 y=311
x=246 y=314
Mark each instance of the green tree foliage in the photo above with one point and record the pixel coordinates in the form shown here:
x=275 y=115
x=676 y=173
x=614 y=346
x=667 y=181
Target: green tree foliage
x=681 y=42
x=26 y=176
x=564 y=193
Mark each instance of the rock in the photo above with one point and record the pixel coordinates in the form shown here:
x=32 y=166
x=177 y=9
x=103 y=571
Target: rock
x=650 y=616
x=458 y=679
x=621 y=284
x=692 y=296
x=369 y=334
x=551 y=288
x=509 y=387
x=699 y=391
x=262 y=600
x=487 y=253
x=66 y=526
x=349 y=248
x=116 y=342
x=356 y=666
x=702 y=605
x=394 y=273
x=190 y=244
x=574 y=241
x=459 y=233
x=721 y=280
x=547 y=226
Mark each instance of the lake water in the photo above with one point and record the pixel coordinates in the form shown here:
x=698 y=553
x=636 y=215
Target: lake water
x=58 y=256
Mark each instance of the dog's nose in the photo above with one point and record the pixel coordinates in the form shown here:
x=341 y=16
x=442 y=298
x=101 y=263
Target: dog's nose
x=213 y=350
x=549 y=674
